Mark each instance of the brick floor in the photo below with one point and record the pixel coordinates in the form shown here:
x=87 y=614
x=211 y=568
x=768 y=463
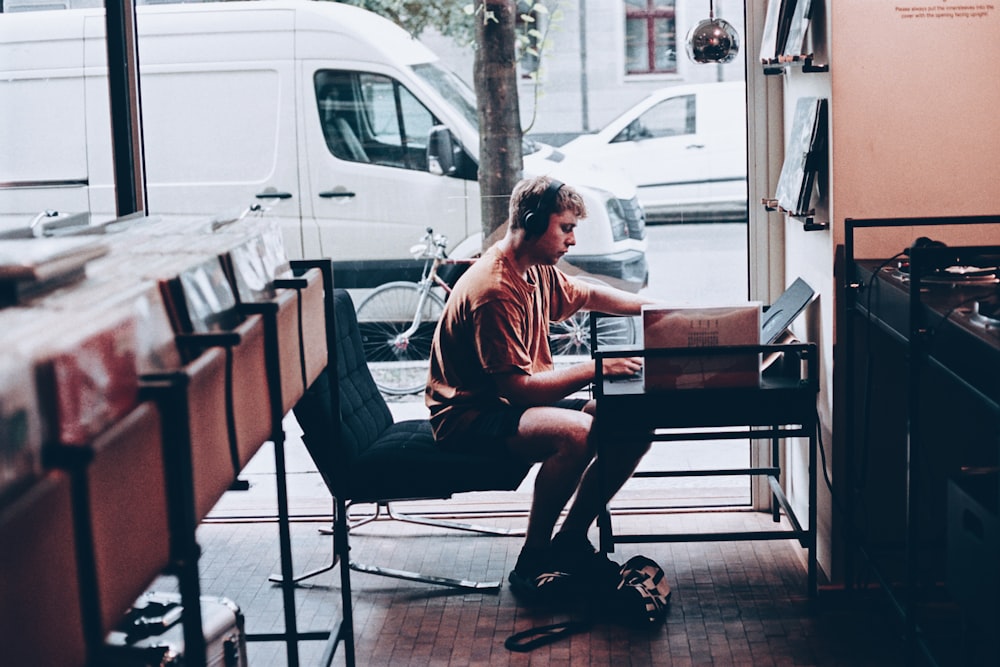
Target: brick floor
x=735 y=603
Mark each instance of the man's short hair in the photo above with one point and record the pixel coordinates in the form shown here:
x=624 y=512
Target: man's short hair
x=529 y=192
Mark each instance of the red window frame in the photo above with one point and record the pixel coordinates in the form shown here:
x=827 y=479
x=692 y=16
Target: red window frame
x=654 y=10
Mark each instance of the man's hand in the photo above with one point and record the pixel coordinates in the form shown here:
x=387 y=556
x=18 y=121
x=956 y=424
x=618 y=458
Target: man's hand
x=622 y=366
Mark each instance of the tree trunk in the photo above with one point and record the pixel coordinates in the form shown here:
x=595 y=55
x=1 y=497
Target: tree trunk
x=500 y=159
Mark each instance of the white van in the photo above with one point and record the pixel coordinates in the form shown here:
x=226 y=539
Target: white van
x=336 y=121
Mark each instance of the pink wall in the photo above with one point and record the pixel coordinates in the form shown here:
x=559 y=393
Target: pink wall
x=915 y=108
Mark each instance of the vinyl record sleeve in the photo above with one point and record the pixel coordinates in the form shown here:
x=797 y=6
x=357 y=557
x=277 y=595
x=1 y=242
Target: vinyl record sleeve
x=693 y=327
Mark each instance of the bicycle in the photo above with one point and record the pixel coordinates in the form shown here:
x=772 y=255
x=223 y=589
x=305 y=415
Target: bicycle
x=397 y=322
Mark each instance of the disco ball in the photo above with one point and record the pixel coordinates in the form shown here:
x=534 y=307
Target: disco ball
x=713 y=40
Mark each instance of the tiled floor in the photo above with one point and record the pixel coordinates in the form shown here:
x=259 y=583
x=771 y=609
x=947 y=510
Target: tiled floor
x=734 y=603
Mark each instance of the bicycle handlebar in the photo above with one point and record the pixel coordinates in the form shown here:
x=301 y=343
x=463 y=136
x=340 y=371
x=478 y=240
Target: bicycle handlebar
x=430 y=246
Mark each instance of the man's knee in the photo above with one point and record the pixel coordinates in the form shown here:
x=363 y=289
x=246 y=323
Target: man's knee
x=546 y=432
x=574 y=435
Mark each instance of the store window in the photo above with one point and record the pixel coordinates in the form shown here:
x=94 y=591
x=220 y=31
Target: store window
x=650 y=37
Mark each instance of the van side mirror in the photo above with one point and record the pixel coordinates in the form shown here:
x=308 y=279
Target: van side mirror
x=441 y=152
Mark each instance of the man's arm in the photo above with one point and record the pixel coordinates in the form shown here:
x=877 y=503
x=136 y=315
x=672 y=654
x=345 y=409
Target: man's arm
x=545 y=387
x=548 y=387
x=607 y=299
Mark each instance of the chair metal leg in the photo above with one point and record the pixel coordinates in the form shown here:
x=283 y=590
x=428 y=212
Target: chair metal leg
x=427 y=521
x=455 y=525
x=334 y=555
x=408 y=575
x=427 y=578
x=343 y=632
x=465 y=584
x=356 y=524
x=298 y=579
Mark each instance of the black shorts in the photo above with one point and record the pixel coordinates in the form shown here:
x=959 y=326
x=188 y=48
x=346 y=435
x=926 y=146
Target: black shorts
x=492 y=427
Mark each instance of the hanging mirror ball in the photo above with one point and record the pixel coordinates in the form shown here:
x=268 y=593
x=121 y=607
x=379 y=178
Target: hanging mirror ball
x=713 y=41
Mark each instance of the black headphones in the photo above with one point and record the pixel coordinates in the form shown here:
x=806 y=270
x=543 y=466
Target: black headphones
x=536 y=221
x=924 y=242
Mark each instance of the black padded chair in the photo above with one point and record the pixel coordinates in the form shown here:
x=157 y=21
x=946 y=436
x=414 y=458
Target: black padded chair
x=365 y=457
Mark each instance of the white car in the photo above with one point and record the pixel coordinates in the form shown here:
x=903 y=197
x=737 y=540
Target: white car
x=684 y=147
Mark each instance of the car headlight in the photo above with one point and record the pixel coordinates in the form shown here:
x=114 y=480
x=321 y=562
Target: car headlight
x=628 y=221
x=635 y=217
x=619 y=222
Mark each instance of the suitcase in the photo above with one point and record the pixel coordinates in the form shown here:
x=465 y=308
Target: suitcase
x=152 y=633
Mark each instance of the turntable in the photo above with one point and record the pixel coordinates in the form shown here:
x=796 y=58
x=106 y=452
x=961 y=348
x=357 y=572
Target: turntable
x=986 y=313
x=953 y=275
x=960 y=314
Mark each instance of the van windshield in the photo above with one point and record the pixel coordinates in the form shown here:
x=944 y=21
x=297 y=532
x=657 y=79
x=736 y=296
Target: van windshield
x=458 y=93
x=449 y=86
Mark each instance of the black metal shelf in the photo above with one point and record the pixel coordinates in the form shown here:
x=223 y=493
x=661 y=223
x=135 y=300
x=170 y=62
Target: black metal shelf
x=808 y=218
x=807 y=62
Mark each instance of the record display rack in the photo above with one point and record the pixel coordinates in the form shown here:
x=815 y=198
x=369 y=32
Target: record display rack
x=287 y=343
x=91 y=540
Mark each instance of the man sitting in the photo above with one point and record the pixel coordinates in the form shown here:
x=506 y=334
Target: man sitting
x=493 y=384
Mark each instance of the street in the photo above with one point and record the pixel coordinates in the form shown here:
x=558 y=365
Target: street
x=698 y=263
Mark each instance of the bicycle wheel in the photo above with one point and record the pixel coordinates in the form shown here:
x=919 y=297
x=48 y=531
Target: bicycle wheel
x=572 y=337
x=397 y=352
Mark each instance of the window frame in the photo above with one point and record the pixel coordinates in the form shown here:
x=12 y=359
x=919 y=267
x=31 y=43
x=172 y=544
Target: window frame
x=653 y=11
x=359 y=104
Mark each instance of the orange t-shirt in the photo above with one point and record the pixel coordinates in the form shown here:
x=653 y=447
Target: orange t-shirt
x=495 y=321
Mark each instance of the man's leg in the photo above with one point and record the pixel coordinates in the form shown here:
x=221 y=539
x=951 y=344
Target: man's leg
x=559 y=438
x=599 y=486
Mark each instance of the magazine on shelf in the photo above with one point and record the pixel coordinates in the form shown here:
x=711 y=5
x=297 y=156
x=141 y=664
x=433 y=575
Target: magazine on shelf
x=202 y=299
x=23 y=292
x=96 y=381
x=252 y=274
x=155 y=343
x=785 y=16
x=795 y=42
x=704 y=326
x=805 y=143
x=771 y=45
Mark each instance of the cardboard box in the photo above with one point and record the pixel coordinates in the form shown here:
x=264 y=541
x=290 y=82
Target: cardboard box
x=692 y=327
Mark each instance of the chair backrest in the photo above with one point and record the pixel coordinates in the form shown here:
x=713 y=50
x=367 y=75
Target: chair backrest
x=357 y=414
